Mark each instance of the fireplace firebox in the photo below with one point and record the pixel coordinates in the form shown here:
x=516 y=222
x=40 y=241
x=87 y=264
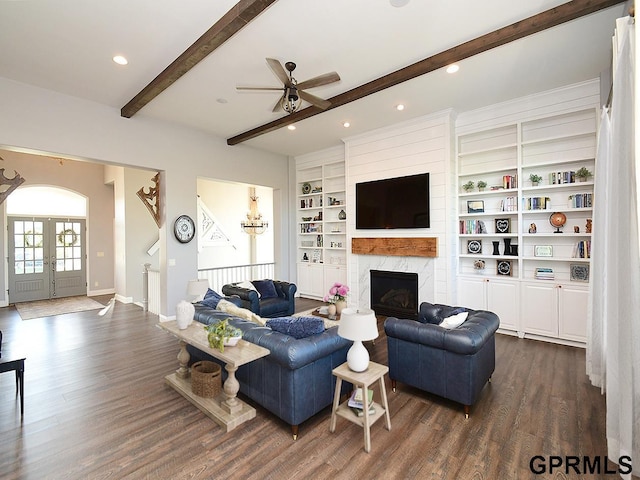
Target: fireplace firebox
x=394 y=294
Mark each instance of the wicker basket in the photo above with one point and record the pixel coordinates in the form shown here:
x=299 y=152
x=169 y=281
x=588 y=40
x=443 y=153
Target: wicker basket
x=206 y=379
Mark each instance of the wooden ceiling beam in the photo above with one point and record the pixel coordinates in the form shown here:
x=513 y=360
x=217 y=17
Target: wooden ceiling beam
x=233 y=21
x=534 y=24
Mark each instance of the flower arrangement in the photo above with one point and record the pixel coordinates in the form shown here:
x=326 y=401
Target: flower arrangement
x=337 y=293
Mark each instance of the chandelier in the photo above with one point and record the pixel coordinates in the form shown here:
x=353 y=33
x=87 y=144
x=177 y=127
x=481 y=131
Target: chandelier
x=254 y=225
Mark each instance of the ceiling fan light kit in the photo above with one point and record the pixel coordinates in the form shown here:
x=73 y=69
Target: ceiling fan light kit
x=294 y=92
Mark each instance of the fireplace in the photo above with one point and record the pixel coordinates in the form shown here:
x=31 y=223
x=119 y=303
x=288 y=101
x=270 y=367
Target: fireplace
x=394 y=294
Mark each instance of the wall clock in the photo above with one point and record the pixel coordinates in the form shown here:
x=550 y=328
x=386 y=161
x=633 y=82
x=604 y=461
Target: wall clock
x=504 y=267
x=184 y=229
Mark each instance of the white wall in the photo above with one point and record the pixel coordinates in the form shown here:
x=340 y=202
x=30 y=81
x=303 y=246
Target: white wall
x=417 y=146
x=34 y=119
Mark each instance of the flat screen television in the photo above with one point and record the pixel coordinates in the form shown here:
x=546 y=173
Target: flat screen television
x=401 y=202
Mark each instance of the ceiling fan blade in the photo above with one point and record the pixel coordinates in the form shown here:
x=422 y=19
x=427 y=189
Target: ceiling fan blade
x=279 y=71
x=320 y=80
x=259 y=88
x=278 y=106
x=313 y=100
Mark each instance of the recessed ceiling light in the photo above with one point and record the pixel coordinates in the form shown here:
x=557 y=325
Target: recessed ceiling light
x=400 y=107
x=291 y=127
x=221 y=100
x=120 y=60
x=453 y=68
x=398 y=3
x=346 y=124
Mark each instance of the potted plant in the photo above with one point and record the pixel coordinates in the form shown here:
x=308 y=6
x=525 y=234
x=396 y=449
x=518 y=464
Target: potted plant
x=467 y=187
x=535 y=179
x=222 y=334
x=481 y=185
x=583 y=174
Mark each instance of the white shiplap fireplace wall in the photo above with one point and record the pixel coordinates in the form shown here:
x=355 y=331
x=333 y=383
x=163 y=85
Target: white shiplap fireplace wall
x=417 y=146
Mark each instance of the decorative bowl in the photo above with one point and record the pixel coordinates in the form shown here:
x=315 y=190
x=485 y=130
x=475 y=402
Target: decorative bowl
x=232 y=341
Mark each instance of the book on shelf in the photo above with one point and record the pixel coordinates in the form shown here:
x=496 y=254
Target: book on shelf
x=359 y=412
x=509 y=204
x=545 y=273
x=356 y=399
x=509 y=181
x=472 y=226
x=536 y=203
x=581 y=200
x=559 y=178
x=582 y=249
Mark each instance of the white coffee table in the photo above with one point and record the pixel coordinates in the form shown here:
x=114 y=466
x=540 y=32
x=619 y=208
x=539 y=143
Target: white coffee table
x=226 y=409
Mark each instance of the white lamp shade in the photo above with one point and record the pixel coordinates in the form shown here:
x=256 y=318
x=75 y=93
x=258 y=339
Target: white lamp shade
x=197 y=288
x=358 y=324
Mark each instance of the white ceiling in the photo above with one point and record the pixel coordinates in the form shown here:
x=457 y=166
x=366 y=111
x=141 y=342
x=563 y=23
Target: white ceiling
x=67 y=46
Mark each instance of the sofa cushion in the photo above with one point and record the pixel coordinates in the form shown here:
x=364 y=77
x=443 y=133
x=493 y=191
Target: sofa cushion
x=229 y=307
x=266 y=288
x=211 y=299
x=454 y=321
x=297 y=327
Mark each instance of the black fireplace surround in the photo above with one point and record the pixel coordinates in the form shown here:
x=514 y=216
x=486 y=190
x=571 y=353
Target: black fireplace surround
x=394 y=294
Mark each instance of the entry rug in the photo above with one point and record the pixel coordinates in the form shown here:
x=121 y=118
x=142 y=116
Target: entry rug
x=56 y=306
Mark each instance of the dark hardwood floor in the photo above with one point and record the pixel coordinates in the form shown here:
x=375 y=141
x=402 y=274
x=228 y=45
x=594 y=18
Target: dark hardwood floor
x=96 y=407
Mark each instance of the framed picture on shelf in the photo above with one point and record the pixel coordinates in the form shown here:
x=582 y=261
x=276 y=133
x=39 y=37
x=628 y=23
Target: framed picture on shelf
x=503 y=225
x=316 y=257
x=543 y=251
x=475 y=206
x=474 y=247
x=503 y=267
x=579 y=272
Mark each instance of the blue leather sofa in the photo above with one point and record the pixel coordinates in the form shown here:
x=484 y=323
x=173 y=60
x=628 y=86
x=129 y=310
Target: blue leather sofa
x=454 y=364
x=280 y=303
x=294 y=382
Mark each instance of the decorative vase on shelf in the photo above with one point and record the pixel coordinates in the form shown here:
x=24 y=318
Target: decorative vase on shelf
x=342 y=215
x=331 y=310
x=507 y=246
x=340 y=304
x=496 y=244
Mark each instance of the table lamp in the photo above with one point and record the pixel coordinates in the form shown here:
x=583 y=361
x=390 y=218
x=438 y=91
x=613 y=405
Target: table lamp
x=358 y=325
x=197 y=288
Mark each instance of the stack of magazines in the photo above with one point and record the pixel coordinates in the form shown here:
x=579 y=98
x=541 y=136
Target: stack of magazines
x=356 y=402
x=544 y=273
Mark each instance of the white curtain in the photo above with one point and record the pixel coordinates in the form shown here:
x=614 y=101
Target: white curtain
x=613 y=344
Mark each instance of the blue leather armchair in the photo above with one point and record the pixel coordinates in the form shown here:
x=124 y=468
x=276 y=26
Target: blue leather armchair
x=281 y=304
x=454 y=364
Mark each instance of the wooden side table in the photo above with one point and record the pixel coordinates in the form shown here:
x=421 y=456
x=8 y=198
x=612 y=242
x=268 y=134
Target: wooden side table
x=364 y=380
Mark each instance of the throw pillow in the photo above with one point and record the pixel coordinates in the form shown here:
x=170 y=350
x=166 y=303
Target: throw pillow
x=248 y=285
x=297 y=327
x=230 y=308
x=454 y=321
x=211 y=299
x=266 y=288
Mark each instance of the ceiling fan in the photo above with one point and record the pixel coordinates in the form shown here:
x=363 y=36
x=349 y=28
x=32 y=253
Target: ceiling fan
x=295 y=92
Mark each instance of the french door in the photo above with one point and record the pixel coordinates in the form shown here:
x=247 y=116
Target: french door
x=47 y=258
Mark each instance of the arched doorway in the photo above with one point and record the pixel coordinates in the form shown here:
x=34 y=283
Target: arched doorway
x=46 y=243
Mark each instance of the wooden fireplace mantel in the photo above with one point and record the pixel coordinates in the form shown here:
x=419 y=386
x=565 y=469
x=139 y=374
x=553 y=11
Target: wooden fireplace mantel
x=400 y=247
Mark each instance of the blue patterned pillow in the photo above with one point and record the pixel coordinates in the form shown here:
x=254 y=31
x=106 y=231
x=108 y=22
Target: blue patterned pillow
x=297 y=327
x=211 y=299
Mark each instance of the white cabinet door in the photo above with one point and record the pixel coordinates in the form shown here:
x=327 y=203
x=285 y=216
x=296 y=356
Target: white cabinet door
x=311 y=279
x=497 y=296
x=472 y=293
x=539 y=309
x=502 y=299
x=572 y=309
x=333 y=274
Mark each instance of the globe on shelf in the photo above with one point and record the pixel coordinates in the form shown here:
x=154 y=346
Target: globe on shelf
x=558 y=219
